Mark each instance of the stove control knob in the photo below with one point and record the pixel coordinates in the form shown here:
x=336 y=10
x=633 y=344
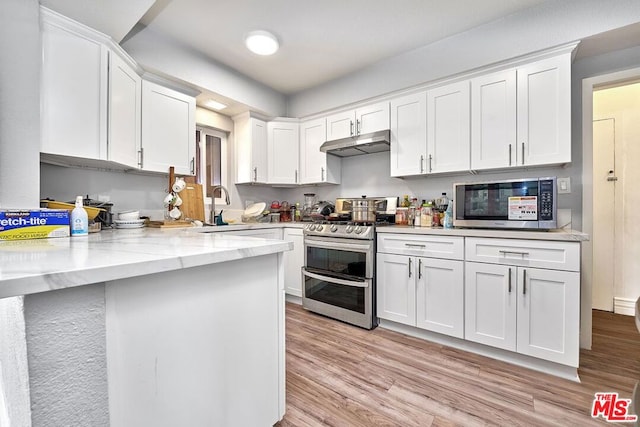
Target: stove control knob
x=312 y=227
x=349 y=229
x=358 y=229
x=334 y=228
x=319 y=228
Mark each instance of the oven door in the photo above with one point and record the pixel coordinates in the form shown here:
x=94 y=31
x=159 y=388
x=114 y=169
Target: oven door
x=345 y=258
x=348 y=300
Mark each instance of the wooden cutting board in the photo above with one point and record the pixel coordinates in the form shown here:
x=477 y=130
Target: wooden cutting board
x=192 y=202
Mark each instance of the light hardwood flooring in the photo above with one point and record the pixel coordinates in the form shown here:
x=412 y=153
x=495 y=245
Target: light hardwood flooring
x=341 y=375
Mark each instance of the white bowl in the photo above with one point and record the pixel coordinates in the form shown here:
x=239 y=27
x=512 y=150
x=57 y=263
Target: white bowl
x=129 y=215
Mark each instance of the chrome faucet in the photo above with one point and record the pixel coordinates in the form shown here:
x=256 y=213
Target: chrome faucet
x=227 y=200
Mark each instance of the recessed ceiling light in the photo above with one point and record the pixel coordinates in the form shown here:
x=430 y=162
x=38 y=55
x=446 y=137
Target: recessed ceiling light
x=215 y=104
x=261 y=42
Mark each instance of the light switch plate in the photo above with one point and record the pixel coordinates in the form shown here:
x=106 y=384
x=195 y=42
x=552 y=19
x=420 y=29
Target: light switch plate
x=564 y=185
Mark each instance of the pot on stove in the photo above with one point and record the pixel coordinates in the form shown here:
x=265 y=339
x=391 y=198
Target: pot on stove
x=364 y=209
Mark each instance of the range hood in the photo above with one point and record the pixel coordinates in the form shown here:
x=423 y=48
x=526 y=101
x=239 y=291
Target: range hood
x=374 y=142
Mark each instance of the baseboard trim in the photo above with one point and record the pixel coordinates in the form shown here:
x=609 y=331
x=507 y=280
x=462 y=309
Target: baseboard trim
x=624 y=306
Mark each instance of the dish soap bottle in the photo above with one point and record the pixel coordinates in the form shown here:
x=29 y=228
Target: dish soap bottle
x=79 y=220
x=448 y=216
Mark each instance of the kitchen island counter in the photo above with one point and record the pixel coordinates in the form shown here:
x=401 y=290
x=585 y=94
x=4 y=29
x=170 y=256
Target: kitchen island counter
x=142 y=327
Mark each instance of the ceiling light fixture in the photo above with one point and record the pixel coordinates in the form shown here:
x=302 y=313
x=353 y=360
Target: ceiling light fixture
x=261 y=42
x=215 y=104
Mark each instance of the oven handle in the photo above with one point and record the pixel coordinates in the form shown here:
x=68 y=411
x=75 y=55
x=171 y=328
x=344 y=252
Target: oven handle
x=334 y=280
x=324 y=244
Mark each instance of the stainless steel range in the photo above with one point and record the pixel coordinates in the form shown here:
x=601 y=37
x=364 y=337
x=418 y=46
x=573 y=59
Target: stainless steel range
x=339 y=270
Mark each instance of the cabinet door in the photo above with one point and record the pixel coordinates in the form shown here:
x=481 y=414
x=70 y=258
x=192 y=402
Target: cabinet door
x=490 y=305
x=440 y=296
x=341 y=125
x=293 y=262
x=493 y=120
x=168 y=130
x=544 y=112
x=396 y=290
x=316 y=166
x=408 y=134
x=74 y=94
x=282 y=152
x=549 y=315
x=258 y=139
x=372 y=118
x=125 y=97
x=448 y=141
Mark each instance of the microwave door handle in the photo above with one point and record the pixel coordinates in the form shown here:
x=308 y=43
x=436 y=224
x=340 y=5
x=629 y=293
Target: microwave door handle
x=338 y=281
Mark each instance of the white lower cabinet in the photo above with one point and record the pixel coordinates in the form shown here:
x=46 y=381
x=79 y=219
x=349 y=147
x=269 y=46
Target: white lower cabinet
x=293 y=262
x=532 y=311
x=421 y=291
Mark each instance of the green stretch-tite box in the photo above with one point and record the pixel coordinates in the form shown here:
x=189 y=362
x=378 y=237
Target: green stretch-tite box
x=25 y=224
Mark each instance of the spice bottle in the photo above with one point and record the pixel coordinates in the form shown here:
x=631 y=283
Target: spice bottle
x=426 y=214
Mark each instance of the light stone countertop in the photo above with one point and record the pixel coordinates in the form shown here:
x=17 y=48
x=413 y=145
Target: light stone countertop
x=562 y=234
x=32 y=266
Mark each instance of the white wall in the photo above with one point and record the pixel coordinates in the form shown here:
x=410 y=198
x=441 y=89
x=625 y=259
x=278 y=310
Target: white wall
x=550 y=24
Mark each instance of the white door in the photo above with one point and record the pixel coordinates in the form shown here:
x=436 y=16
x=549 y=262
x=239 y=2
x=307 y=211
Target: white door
x=313 y=162
x=282 y=152
x=396 y=288
x=490 y=304
x=440 y=296
x=293 y=262
x=408 y=135
x=125 y=111
x=448 y=140
x=493 y=120
x=549 y=314
x=372 y=118
x=544 y=112
x=603 y=214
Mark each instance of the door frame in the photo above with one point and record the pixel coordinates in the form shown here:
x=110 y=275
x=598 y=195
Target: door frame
x=588 y=86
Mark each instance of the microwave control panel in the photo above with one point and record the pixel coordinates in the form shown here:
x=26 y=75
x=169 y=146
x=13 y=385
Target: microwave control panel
x=546 y=200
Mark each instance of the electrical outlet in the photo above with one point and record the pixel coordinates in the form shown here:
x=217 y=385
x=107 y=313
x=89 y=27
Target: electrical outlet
x=564 y=185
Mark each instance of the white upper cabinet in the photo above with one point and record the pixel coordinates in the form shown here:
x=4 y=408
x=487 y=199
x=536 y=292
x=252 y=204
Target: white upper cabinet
x=367 y=119
x=168 y=130
x=316 y=166
x=282 y=152
x=448 y=141
x=544 y=111
x=408 y=134
x=522 y=117
x=251 y=149
x=493 y=120
x=74 y=91
x=125 y=109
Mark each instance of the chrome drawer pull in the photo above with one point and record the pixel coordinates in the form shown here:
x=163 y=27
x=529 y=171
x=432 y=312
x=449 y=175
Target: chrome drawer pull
x=413 y=245
x=513 y=252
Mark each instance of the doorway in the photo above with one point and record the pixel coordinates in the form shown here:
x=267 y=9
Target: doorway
x=616 y=235
x=589 y=204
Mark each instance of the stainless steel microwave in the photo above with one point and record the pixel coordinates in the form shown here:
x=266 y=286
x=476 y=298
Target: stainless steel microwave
x=529 y=203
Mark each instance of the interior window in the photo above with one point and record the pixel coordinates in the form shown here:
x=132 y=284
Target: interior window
x=211 y=162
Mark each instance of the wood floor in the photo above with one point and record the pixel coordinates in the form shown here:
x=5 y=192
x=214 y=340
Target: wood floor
x=341 y=375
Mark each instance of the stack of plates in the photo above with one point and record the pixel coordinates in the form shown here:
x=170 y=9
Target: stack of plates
x=129 y=223
x=253 y=211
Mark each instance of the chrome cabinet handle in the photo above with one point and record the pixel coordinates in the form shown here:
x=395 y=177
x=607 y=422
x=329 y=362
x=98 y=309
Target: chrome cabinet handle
x=524 y=282
x=430 y=158
x=413 y=245
x=422 y=163
x=296 y=177
x=322 y=174
x=358 y=124
x=141 y=157
x=409 y=267
x=509 y=154
x=192 y=165
x=523 y=153
x=509 y=279
x=514 y=252
x=419 y=268
x=255 y=174
x=351 y=127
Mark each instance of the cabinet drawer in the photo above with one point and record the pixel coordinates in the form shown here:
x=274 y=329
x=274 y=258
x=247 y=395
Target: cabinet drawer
x=527 y=253
x=421 y=245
